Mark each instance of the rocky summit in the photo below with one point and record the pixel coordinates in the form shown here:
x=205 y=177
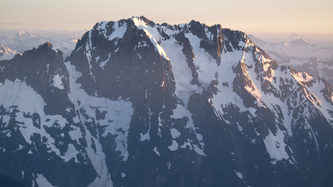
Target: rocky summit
x=145 y=104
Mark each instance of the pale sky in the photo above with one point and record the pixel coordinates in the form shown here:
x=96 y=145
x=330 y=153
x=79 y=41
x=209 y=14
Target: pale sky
x=278 y=16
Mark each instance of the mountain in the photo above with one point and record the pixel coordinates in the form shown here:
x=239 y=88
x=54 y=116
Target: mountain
x=7 y=53
x=298 y=47
x=24 y=40
x=298 y=52
x=143 y=104
x=294 y=36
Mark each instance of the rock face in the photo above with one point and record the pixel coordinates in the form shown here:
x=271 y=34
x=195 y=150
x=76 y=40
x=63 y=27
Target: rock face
x=143 y=104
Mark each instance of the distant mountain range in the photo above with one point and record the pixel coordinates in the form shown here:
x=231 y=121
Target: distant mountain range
x=21 y=41
x=298 y=52
x=143 y=104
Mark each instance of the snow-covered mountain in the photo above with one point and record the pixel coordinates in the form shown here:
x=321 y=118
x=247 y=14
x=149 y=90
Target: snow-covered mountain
x=144 y=104
x=24 y=40
x=298 y=52
x=7 y=53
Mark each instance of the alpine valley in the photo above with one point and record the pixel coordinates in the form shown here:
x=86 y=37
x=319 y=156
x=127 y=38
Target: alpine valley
x=144 y=104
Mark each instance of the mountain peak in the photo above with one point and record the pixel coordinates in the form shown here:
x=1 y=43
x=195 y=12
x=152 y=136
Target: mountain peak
x=45 y=53
x=47 y=45
x=7 y=53
x=25 y=34
x=136 y=20
x=299 y=42
x=294 y=36
x=4 y=49
x=146 y=20
x=47 y=49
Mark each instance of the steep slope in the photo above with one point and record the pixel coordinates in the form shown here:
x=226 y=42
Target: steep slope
x=143 y=104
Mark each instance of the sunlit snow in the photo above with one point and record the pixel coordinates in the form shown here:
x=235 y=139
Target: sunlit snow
x=152 y=33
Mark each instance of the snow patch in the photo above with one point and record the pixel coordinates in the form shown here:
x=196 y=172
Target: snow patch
x=42 y=181
x=71 y=153
x=156 y=151
x=240 y=128
x=275 y=145
x=118 y=30
x=180 y=69
x=11 y=95
x=144 y=137
x=199 y=150
x=205 y=63
x=179 y=112
x=239 y=174
x=173 y=146
x=102 y=64
x=174 y=133
x=57 y=82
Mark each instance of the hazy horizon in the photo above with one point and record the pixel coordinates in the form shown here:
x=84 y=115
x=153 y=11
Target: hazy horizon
x=266 y=36
x=310 y=16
